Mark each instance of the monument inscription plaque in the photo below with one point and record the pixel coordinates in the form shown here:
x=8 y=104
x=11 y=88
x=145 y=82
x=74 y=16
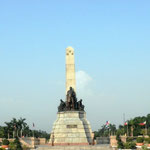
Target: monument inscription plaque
x=72 y=126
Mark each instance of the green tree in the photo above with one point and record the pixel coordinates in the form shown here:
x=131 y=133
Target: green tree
x=5 y=142
x=16 y=127
x=119 y=142
x=112 y=129
x=106 y=131
x=2 y=132
x=17 y=144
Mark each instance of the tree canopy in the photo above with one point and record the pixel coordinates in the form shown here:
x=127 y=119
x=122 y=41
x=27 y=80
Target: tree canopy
x=19 y=128
x=132 y=127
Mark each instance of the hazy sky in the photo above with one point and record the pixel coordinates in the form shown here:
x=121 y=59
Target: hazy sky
x=112 y=53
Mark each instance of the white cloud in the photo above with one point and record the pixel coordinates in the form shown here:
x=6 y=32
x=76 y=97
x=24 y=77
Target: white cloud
x=82 y=80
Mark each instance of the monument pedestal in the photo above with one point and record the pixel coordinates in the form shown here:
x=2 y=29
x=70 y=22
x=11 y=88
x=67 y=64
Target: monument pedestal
x=71 y=128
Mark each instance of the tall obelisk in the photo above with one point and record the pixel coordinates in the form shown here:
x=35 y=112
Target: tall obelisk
x=70 y=69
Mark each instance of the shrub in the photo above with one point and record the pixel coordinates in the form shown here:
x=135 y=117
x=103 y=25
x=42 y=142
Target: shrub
x=25 y=147
x=15 y=145
x=147 y=140
x=120 y=143
x=144 y=147
x=140 y=139
x=12 y=145
x=18 y=144
x=130 y=145
x=130 y=139
x=5 y=142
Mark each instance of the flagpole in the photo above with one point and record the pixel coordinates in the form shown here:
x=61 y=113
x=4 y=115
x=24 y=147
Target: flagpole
x=127 y=130
x=13 y=134
x=145 y=129
x=126 y=124
x=33 y=130
x=123 y=118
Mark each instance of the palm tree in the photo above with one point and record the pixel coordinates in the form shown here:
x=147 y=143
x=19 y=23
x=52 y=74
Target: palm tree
x=21 y=124
x=9 y=129
x=27 y=131
x=16 y=126
x=112 y=129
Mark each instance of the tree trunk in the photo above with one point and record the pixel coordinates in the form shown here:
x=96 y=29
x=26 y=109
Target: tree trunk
x=13 y=134
x=17 y=134
x=21 y=133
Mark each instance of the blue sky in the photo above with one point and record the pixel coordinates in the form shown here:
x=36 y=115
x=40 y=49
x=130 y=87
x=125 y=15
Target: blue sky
x=112 y=53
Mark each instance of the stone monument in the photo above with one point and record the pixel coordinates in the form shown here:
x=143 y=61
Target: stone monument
x=71 y=126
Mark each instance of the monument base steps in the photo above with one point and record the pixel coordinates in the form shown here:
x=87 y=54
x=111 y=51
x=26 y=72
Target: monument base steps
x=71 y=128
x=89 y=147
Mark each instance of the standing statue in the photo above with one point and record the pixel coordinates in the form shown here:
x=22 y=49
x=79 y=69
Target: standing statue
x=71 y=100
x=71 y=103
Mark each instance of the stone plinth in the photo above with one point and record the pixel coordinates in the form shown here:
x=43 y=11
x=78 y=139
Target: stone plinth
x=71 y=128
x=113 y=141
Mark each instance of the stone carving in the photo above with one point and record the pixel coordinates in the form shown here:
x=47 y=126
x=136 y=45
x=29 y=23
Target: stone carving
x=71 y=103
x=62 y=106
x=80 y=106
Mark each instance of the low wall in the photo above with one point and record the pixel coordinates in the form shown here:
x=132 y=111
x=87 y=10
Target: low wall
x=113 y=141
x=30 y=141
x=42 y=141
x=102 y=140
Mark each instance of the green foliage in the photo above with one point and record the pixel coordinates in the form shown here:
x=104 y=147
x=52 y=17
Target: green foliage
x=18 y=144
x=41 y=134
x=105 y=131
x=12 y=146
x=120 y=131
x=134 y=123
x=3 y=132
x=144 y=147
x=130 y=145
x=148 y=132
x=96 y=134
x=16 y=127
x=147 y=140
x=19 y=128
x=129 y=139
x=5 y=142
x=0 y=143
x=140 y=139
x=119 y=142
x=2 y=148
x=25 y=147
x=15 y=145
